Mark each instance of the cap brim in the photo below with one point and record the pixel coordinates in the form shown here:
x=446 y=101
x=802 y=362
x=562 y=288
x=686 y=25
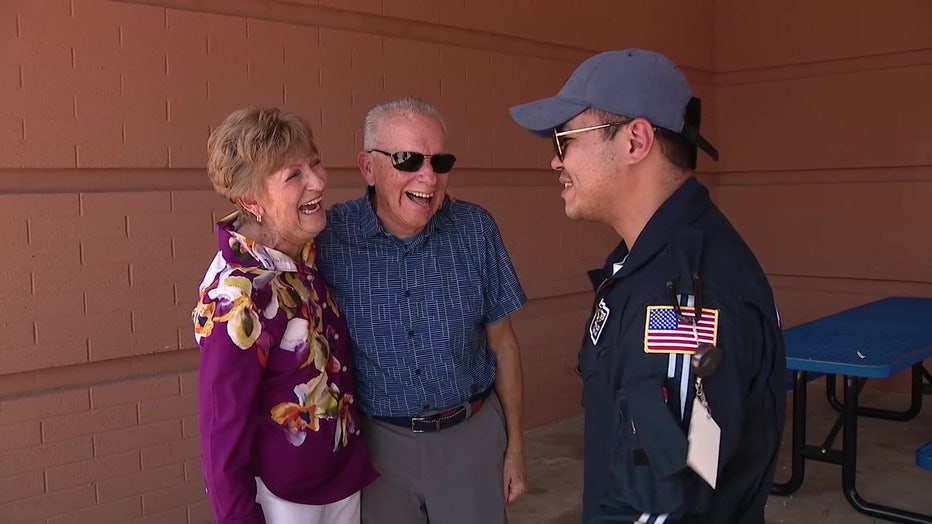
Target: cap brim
x=542 y=116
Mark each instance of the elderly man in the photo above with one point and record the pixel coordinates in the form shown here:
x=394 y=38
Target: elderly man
x=428 y=289
x=682 y=359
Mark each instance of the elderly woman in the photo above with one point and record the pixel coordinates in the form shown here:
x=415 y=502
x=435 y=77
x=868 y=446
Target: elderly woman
x=278 y=426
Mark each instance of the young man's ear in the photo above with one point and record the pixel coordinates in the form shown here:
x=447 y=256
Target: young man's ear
x=364 y=162
x=641 y=139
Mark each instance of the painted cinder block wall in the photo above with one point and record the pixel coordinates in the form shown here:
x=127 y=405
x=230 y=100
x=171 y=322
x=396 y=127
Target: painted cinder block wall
x=105 y=107
x=823 y=115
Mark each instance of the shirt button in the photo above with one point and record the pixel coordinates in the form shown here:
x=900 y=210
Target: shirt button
x=336 y=336
x=344 y=369
x=417 y=371
x=411 y=333
x=407 y=293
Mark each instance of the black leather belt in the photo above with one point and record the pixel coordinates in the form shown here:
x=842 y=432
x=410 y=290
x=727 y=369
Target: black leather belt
x=443 y=420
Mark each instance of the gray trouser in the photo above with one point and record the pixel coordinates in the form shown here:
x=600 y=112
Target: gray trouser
x=452 y=476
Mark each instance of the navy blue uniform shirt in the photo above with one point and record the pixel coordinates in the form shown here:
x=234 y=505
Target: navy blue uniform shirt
x=638 y=403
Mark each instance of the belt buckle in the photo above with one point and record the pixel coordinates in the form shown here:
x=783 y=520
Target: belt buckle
x=437 y=419
x=422 y=420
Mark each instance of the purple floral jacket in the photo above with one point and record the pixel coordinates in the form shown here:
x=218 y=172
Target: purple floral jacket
x=275 y=390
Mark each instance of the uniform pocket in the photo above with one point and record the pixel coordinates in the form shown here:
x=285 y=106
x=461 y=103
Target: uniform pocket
x=649 y=457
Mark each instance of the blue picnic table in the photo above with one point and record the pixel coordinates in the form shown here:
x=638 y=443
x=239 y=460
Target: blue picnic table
x=875 y=340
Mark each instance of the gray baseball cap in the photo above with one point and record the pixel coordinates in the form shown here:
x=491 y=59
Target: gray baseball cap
x=632 y=82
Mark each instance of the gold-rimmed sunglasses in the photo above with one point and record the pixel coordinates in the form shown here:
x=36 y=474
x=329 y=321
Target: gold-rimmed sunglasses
x=559 y=145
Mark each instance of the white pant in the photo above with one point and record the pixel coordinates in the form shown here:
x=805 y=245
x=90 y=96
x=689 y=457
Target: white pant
x=281 y=511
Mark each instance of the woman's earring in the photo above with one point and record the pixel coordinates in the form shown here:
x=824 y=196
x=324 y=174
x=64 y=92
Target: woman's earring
x=259 y=218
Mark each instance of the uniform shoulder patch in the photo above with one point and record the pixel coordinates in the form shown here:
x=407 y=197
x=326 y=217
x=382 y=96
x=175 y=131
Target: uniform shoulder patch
x=664 y=332
x=599 y=318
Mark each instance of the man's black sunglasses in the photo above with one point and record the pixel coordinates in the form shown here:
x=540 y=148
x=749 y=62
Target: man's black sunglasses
x=411 y=161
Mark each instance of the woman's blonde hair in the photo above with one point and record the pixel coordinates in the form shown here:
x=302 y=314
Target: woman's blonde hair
x=251 y=144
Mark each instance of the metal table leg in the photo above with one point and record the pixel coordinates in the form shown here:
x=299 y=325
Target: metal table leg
x=849 y=464
x=798 y=439
x=915 y=401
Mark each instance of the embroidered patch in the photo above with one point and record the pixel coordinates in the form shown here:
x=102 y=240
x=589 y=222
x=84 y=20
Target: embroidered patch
x=598 y=321
x=664 y=332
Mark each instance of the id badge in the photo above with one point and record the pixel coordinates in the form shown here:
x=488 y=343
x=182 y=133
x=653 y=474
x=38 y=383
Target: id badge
x=704 y=442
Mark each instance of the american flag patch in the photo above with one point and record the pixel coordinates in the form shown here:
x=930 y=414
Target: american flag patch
x=665 y=333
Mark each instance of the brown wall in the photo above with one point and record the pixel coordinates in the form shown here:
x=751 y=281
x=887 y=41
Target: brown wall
x=104 y=111
x=105 y=107
x=823 y=120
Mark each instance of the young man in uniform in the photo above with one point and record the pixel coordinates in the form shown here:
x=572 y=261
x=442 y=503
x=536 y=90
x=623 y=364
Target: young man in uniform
x=682 y=359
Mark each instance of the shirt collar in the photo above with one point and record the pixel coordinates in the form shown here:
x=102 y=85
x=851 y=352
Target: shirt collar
x=370 y=226
x=242 y=252
x=683 y=207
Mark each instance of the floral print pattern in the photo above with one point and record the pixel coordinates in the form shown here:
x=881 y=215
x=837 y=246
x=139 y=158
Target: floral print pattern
x=276 y=398
x=230 y=296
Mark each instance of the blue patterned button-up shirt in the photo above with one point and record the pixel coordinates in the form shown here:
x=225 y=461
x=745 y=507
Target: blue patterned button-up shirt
x=417 y=309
